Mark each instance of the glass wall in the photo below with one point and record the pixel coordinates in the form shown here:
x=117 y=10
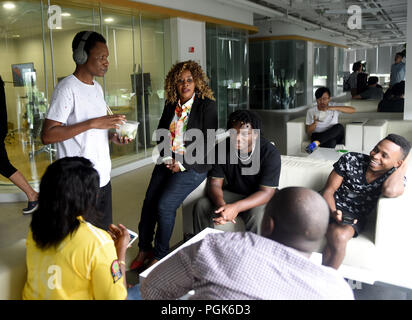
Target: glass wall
x=35 y=56
x=227 y=59
x=277 y=74
x=22 y=68
x=322 y=66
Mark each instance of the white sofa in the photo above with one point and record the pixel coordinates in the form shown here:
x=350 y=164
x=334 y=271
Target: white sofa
x=367 y=254
x=12 y=270
x=297 y=138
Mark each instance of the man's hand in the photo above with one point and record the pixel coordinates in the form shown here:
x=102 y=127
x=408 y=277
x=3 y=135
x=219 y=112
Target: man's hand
x=228 y=213
x=108 y=122
x=337 y=215
x=119 y=140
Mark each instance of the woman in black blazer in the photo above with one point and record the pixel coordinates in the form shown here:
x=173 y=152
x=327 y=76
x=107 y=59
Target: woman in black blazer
x=189 y=105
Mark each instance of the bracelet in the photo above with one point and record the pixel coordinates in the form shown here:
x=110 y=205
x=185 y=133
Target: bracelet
x=122 y=262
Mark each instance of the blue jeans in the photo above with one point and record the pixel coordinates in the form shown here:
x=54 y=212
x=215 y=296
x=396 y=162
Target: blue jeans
x=164 y=195
x=133 y=293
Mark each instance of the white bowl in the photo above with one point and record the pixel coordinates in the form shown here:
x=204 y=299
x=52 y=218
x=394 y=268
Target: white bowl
x=128 y=129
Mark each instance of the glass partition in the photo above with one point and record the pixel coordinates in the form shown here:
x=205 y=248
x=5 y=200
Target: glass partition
x=35 y=55
x=277 y=74
x=152 y=75
x=228 y=69
x=22 y=69
x=322 y=72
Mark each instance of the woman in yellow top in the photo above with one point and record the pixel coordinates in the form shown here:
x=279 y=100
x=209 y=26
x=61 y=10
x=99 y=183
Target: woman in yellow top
x=190 y=106
x=67 y=256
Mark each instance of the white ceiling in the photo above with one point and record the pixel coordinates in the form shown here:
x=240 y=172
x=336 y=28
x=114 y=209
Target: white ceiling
x=383 y=21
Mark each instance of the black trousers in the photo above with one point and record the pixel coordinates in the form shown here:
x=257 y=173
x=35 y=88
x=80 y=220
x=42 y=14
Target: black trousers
x=331 y=137
x=104 y=206
x=6 y=168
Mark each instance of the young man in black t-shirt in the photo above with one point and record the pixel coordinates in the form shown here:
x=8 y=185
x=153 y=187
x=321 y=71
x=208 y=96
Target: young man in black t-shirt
x=251 y=166
x=354 y=187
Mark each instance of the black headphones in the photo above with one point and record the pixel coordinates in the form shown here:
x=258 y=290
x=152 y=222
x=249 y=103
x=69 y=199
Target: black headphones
x=79 y=54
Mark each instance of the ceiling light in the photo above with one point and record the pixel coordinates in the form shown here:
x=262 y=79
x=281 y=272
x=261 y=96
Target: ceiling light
x=58 y=28
x=9 y=5
x=15 y=36
x=109 y=20
x=66 y=14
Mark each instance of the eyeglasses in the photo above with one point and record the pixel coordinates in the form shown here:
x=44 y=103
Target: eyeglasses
x=182 y=81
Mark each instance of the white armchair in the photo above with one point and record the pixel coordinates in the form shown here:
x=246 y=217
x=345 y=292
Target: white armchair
x=375 y=130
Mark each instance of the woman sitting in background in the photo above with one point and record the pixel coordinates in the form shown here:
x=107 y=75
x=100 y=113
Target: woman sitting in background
x=67 y=257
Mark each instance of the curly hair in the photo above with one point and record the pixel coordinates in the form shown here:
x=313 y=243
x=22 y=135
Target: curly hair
x=199 y=77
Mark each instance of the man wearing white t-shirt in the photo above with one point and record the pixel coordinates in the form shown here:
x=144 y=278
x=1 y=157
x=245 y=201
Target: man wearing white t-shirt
x=322 y=122
x=77 y=120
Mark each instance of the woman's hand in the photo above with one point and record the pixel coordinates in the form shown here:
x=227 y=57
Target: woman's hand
x=173 y=166
x=120 y=236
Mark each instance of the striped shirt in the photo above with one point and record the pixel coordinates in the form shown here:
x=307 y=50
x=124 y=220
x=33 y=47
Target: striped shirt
x=243 y=266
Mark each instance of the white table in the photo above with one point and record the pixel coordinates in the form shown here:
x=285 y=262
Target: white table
x=325 y=154
x=196 y=238
x=354 y=135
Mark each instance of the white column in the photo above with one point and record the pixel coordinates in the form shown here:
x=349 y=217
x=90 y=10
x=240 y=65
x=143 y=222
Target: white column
x=407 y=115
x=188 y=41
x=333 y=70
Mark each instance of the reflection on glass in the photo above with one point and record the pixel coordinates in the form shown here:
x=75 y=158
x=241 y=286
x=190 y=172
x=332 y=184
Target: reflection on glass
x=228 y=69
x=277 y=74
x=31 y=68
x=322 y=72
x=22 y=69
x=153 y=69
x=119 y=32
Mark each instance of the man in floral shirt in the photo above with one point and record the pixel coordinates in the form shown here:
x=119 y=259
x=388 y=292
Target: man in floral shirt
x=354 y=187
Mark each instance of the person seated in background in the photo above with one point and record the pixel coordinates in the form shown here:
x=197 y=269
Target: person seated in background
x=244 y=265
x=393 y=101
x=373 y=92
x=354 y=187
x=68 y=257
x=246 y=193
x=351 y=84
x=322 y=122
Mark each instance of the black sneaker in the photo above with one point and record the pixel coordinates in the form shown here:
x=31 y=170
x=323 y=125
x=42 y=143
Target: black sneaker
x=31 y=207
